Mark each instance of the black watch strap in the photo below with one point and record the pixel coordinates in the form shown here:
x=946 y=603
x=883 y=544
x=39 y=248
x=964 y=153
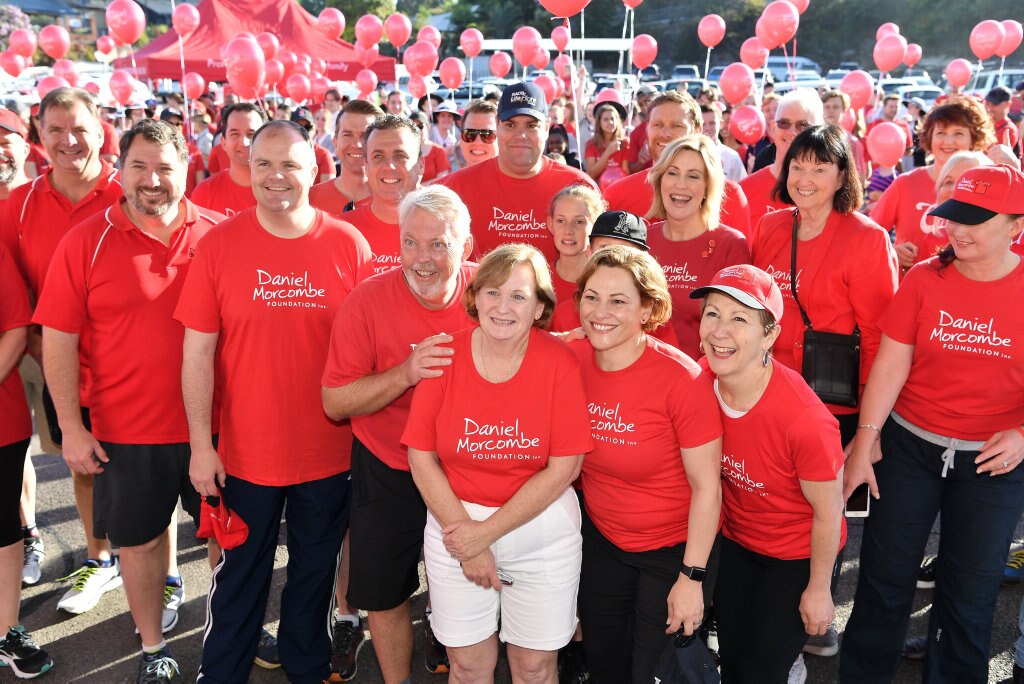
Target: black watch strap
x=696 y=574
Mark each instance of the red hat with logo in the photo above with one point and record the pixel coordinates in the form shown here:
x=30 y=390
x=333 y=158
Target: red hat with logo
x=982 y=193
x=9 y=121
x=218 y=521
x=748 y=285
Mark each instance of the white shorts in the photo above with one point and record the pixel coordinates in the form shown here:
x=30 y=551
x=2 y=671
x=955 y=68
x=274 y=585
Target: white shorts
x=538 y=611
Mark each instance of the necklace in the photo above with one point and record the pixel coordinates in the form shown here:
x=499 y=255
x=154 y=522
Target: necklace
x=513 y=366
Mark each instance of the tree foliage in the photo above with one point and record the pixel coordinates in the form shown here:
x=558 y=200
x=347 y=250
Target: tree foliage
x=11 y=19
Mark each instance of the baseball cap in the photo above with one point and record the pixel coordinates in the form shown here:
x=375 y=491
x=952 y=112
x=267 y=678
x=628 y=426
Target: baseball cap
x=168 y=112
x=523 y=98
x=621 y=225
x=218 y=521
x=646 y=89
x=998 y=95
x=9 y=121
x=1019 y=87
x=982 y=193
x=302 y=113
x=748 y=285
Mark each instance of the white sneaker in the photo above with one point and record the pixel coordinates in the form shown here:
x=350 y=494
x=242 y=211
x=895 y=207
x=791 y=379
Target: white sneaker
x=34 y=555
x=798 y=673
x=173 y=598
x=91 y=583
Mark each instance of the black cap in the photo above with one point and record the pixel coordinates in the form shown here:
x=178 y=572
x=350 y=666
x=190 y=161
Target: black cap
x=302 y=113
x=523 y=98
x=168 y=112
x=434 y=98
x=1019 y=87
x=998 y=95
x=621 y=225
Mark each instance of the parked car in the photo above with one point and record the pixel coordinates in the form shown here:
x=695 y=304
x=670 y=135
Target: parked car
x=990 y=78
x=780 y=66
x=850 y=66
x=685 y=72
x=892 y=85
x=920 y=75
x=928 y=93
x=650 y=73
x=463 y=94
x=715 y=74
x=835 y=76
x=802 y=79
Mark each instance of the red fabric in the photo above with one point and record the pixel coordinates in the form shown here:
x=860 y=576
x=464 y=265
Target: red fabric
x=328 y=198
x=374 y=332
x=786 y=437
x=634 y=481
x=220 y=22
x=758 y=188
x=111 y=143
x=488 y=440
x=968 y=337
x=434 y=163
x=623 y=155
x=905 y=205
x=690 y=264
x=324 y=162
x=383 y=238
x=14 y=313
x=273 y=341
x=1006 y=132
x=218 y=160
x=222 y=524
x=221 y=194
x=37 y=154
x=637 y=139
x=195 y=165
x=505 y=209
x=846 y=276
x=123 y=284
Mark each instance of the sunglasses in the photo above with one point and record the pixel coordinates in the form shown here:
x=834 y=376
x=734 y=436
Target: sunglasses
x=784 y=124
x=486 y=136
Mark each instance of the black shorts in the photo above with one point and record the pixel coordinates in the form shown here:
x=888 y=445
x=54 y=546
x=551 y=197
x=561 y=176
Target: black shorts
x=12 y=456
x=385 y=533
x=135 y=495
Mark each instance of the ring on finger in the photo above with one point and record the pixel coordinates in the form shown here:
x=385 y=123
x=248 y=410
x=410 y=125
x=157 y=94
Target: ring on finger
x=1006 y=464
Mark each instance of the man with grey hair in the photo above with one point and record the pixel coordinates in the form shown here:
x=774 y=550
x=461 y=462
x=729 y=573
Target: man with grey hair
x=391 y=333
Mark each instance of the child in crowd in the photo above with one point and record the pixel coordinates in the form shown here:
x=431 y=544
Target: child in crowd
x=570 y=220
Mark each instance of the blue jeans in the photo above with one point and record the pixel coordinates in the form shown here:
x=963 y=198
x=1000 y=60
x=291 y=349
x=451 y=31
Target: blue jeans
x=979 y=514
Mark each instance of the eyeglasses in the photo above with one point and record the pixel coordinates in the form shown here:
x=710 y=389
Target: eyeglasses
x=784 y=125
x=486 y=135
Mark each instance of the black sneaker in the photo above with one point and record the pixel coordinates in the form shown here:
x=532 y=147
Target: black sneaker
x=346 y=640
x=158 y=668
x=572 y=665
x=926 y=575
x=435 y=655
x=266 y=651
x=915 y=649
x=22 y=655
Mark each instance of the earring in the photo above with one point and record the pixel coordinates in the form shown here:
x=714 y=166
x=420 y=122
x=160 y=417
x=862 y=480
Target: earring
x=766 y=357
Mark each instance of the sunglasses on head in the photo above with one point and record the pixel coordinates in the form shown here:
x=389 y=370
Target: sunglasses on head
x=784 y=124
x=486 y=135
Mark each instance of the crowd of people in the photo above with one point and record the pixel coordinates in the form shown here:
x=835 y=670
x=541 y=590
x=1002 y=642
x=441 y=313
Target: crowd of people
x=608 y=374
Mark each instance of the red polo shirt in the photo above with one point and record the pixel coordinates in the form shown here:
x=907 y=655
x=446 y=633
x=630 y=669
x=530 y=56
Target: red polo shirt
x=223 y=195
x=14 y=313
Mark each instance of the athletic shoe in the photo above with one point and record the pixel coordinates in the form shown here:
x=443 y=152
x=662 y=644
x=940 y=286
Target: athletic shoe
x=915 y=649
x=798 y=673
x=926 y=575
x=346 y=640
x=572 y=666
x=435 y=655
x=825 y=645
x=34 y=555
x=91 y=583
x=266 y=651
x=22 y=655
x=1013 y=573
x=174 y=596
x=158 y=668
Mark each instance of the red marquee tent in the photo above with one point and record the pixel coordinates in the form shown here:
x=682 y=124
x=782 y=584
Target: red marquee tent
x=222 y=20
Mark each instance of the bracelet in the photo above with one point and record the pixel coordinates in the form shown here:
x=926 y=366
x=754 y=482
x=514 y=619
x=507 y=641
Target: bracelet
x=875 y=428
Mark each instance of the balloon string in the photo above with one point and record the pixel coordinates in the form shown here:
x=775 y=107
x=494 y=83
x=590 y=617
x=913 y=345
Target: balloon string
x=583 y=36
x=184 y=93
x=135 y=69
x=976 y=74
x=707 y=64
x=625 y=23
x=1002 y=63
x=789 y=67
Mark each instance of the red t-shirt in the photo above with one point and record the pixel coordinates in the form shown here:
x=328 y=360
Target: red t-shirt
x=1006 y=132
x=690 y=264
x=328 y=198
x=505 y=209
x=38 y=156
x=14 y=313
x=637 y=139
x=111 y=143
x=218 y=160
x=123 y=284
x=635 y=195
x=434 y=163
x=905 y=205
x=383 y=238
x=967 y=379
x=590 y=151
x=489 y=441
x=634 y=481
x=566 y=316
x=221 y=194
x=195 y=165
x=846 y=276
x=786 y=437
x=758 y=188
x=273 y=301
x=374 y=332
x=324 y=162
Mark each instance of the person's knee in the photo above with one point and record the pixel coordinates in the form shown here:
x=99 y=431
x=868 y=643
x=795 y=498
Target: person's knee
x=475 y=666
x=532 y=666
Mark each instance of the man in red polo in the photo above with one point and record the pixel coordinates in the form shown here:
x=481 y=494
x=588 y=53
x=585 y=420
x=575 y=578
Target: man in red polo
x=230 y=191
x=349 y=190
x=138 y=447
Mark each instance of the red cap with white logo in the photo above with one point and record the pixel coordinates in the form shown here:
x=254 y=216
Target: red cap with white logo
x=748 y=285
x=982 y=193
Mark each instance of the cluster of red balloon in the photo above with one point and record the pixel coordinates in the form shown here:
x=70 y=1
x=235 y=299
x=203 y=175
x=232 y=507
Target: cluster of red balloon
x=126 y=22
x=891 y=48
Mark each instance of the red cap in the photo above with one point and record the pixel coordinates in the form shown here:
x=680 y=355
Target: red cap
x=221 y=523
x=982 y=193
x=9 y=121
x=748 y=285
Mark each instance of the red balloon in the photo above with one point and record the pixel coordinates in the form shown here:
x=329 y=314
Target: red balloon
x=185 y=19
x=321 y=85
x=66 y=69
x=500 y=64
x=753 y=53
x=417 y=86
x=194 y=85
x=420 y=58
x=761 y=32
x=471 y=41
x=105 y=45
x=632 y=4
x=48 y=83
x=269 y=43
x=245 y=64
x=299 y=87
x=331 y=23
x=913 y=55
x=91 y=87
x=563 y=66
x=320 y=66
x=886 y=29
x=431 y=35
x=645 y=51
x=781 y=20
x=801 y=5
x=548 y=85
x=736 y=82
x=525 y=44
x=1013 y=33
x=126 y=21
x=541 y=59
x=288 y=59
x=886 y=143
x=12 y=62
x=274 y=71
x=986 y=38
x=398 y=29
x=246 y=34
x=711 y=30
x=889 y=52
x=848 y=120
x=23 y=42
x=122 y=86
x=301 y=68
x=747 y=124
x=54 y=40
x=369 y=30
x=859 y=86
x=560 y=36
x=565 y=8
x=453 y=72
x=366 y=80
x=958 y=72
x=367 y=57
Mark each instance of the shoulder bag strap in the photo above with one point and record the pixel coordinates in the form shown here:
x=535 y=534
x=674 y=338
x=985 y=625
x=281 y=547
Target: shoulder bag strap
x=792 y=268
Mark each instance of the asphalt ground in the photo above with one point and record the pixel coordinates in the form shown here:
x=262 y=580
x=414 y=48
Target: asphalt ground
x=101 y=646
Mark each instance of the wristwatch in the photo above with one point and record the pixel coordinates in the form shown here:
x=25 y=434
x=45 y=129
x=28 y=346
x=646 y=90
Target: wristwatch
x=696 y=574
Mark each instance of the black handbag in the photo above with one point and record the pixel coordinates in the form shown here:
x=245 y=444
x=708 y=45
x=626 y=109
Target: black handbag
x=685 y=660
x=831 y=364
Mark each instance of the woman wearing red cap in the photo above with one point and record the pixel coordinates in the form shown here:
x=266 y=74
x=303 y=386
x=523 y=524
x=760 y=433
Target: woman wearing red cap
x=941 y=431
x=781 y=484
